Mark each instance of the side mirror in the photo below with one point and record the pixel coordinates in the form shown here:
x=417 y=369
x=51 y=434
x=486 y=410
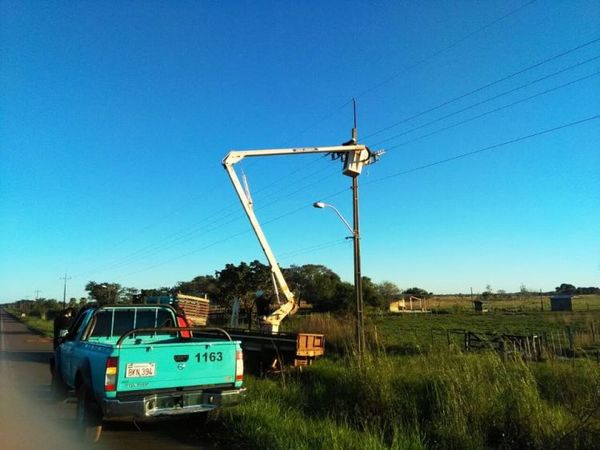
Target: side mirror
x=63 y=333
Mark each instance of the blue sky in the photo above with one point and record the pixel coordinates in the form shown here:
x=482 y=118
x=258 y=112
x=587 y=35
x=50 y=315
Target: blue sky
x=114 y=118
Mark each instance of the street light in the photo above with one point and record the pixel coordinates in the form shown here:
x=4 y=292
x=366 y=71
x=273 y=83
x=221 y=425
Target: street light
x=322 y=205
x=360 y=335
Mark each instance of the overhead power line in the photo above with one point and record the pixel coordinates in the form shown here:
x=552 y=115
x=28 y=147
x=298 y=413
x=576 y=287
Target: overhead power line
x=500 y=108
x=444 y=49
x=481 y=88
x=484 y=149
x=379 y=180
x=414 y=65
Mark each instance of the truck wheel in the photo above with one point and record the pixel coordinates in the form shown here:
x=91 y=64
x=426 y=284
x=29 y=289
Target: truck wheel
x=89 y=418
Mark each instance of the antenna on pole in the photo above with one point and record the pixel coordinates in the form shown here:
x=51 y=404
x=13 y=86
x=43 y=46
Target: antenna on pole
x=354 y=139
x=354 y=129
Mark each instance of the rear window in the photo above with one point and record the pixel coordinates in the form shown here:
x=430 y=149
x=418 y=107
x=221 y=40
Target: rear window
x=116 y=322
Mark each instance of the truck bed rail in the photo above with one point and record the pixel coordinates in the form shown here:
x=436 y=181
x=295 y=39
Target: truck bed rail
x=170 y=329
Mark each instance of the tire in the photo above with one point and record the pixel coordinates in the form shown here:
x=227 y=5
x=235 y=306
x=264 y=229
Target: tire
x=88 y=416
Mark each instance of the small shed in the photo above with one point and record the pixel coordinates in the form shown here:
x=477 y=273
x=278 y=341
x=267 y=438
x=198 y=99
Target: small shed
x=562 y=302
x=479 y=306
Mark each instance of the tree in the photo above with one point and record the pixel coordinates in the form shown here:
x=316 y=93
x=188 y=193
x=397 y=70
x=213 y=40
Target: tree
x=371 y=294
x=388 y=291
x=104 y=293
x=130 y=294
x=565 y=288
x=242 y=282
x=201 y=285
x=417 y=292
x=319 y=286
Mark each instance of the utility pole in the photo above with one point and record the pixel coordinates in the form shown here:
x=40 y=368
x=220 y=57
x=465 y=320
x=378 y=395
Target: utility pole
x=37 y=294
x=65 y=278
x=360 y=320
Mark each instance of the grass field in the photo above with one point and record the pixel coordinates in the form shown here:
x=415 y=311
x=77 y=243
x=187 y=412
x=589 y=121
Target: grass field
x=421 y=331
x=431 y=396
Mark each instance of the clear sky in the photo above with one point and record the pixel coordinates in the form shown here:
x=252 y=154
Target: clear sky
x=115 y=115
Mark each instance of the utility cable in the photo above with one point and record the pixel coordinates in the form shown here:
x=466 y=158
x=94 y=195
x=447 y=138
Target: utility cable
x=484 y=149
x=486 y=113
x=414 y=65
x=444 y=49
x=382 y=179
x=481 y=88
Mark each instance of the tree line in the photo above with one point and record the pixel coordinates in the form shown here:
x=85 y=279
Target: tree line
x=313 y=284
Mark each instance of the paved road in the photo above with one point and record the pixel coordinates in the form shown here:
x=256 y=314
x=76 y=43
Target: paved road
x=30 y=419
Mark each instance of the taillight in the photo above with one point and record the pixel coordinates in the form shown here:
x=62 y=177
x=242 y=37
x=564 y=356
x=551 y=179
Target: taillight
x=110 y=376
x=239 y=366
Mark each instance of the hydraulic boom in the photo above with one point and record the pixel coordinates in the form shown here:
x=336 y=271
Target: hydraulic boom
x=353 y=157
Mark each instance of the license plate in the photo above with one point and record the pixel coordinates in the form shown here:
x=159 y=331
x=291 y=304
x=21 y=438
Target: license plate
x=138 y=370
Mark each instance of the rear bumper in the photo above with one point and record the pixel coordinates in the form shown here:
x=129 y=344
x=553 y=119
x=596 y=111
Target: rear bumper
x=173 y=404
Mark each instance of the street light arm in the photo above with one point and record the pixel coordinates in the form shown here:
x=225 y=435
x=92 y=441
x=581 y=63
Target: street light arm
x=339 y=214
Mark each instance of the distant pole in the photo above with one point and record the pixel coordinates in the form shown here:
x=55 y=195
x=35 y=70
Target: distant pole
x=37 y=294
x=541 y=300
x=471 y=295
x=65 y=278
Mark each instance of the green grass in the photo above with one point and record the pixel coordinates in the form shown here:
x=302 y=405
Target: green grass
x=432 y=396
x=41 y=326
x=419 y=332
x=441 y=401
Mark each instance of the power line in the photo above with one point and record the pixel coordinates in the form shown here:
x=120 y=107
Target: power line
x=485 y=86
x=415 y=65
x=216 y=224
x=484 y=149
x=478 y=116
x=444 y=49
x=379 y=180
x=182 y=238
x=489 y=99
x=313 y=248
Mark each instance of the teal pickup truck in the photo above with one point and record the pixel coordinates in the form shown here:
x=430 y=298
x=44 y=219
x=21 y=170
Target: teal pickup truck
x=136 y=362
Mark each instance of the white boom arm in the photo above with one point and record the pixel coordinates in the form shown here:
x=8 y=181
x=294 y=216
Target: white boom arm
x=355 y=157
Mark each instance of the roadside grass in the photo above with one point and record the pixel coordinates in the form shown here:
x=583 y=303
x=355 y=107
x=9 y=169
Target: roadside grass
x=440 y=401
x=36 y=324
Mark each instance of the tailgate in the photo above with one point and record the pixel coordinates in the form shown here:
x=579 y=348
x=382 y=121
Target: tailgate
x=176 y=365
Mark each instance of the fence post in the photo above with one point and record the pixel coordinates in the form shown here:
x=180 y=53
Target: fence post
x=571 y=341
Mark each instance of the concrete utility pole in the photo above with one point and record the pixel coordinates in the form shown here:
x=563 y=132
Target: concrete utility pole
x=355 y=230
x=360 y=320
x=65 y=278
